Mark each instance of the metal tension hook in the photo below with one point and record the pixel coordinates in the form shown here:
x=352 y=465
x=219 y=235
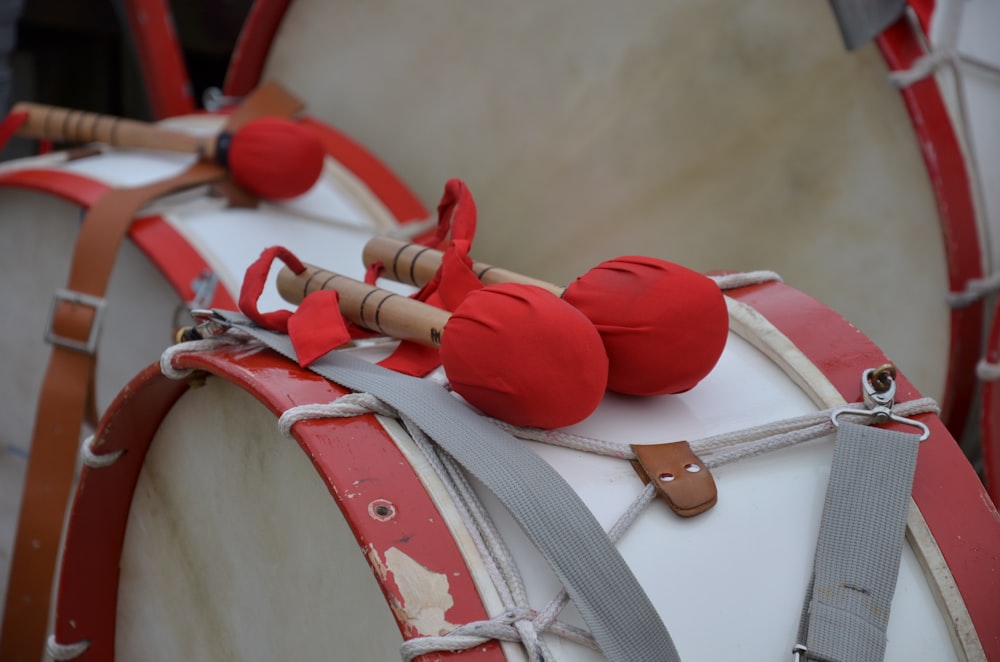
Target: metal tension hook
x=878 y=390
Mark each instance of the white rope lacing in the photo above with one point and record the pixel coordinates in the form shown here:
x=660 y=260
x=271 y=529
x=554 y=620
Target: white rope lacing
x=97 y=460
x=945 y=52
x=519 y=622
x=231 y=337
x=60 y=652
x=745 y=279
x=987 y=372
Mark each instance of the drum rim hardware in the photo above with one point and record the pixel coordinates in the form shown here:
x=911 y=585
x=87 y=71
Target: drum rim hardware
x=878 y=390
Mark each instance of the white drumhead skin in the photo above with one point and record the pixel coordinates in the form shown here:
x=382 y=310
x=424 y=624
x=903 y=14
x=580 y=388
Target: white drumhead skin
x=729 y=583
x=235 y=550
x=716 y=135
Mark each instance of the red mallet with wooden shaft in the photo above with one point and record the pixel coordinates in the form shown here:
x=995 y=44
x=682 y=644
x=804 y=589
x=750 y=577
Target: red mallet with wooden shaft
x=513 y=351
x=272 y=157
x=664 y=326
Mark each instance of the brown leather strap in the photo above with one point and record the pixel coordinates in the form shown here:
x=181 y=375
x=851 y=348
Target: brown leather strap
x=49 y=476
x=67 y=388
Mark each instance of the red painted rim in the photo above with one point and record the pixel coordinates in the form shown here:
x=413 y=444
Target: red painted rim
x=69 y=186
x=177 y=260
x=946 y=489
x=254 y=43
x=161 y=60
x=401 y=202
x=900 y=45
x=990 y=415
x=87 y=593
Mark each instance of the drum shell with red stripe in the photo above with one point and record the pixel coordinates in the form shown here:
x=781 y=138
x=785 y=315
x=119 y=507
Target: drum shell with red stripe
x=211 y=523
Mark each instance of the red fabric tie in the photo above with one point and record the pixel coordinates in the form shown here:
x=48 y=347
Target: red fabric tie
x=315 y=328
x=454 y=280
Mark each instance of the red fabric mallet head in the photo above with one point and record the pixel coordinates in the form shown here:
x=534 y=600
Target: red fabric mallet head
x=515 y=352
x=272 y=157
x=520 y=354
x=664 y=326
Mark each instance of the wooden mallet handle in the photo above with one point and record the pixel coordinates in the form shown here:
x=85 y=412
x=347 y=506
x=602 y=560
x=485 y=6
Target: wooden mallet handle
x=367 y=306
x=414 y=264
x=67 y=125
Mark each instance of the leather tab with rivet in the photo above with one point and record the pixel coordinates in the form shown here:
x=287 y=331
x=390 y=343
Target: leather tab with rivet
x=680 y=477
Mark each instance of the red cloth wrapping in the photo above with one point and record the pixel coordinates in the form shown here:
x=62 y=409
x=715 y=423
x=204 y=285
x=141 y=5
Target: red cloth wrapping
x=664 y=326
x=315 y=328
x=454 y=279
x=274 y=157
x=520 y=354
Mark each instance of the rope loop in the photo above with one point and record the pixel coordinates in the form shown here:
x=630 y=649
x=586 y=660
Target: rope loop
x=987 y=372
x=97 y=460
x=346 y=406
x=469 y=635
x=60 y=652
x=745 y=279
x=975 y=289
x=193 y=346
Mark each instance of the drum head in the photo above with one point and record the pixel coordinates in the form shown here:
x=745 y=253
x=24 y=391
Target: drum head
x=710 y=135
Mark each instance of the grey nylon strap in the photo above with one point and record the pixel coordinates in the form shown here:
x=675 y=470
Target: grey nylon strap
x=860 y=543
x=603 y=588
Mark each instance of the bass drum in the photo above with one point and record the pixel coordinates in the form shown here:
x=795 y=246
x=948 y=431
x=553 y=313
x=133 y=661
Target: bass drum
x=713 y=135
x=190 y=248
x=213 y=536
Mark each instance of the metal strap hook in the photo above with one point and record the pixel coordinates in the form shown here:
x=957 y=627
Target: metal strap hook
x=878 y=389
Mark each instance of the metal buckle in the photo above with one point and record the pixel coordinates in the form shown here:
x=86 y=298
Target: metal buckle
x=98 y=305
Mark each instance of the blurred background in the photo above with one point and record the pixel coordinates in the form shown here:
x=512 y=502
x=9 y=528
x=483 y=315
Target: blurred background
x=78 y=54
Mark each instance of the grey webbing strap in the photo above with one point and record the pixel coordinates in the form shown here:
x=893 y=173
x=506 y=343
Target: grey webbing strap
x=603 y=588
x=860 y=543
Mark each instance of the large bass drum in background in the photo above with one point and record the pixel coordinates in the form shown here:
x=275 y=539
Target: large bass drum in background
x=214 y=537
x=190 y=248
x=716 y=135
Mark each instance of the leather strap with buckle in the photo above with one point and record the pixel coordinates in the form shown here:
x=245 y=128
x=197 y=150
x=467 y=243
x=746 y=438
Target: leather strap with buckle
x=67 y=387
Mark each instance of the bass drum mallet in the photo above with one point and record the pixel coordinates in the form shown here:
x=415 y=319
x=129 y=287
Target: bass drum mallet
x=513 y=351
x=664 y=326
x=271 y=157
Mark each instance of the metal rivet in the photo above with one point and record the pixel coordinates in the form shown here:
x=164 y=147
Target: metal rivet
x=381 y=510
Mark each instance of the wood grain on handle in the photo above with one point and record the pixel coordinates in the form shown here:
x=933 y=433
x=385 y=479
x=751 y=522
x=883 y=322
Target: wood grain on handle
x=414 y=264
x=67 y=125
x=367 y=306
